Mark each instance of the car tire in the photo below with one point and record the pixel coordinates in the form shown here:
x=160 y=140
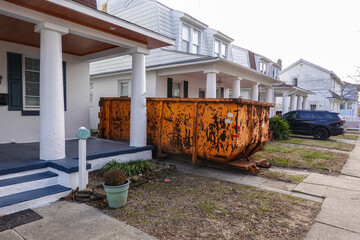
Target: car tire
x=320 y=133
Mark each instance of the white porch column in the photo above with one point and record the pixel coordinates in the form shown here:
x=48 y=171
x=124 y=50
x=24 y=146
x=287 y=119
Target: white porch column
x=255 y=92
x=236 y=88
x=305 y=103
x=269 y=94
x=299 y=102
x=270 y=99
x=292 y=102
x=211 y=83
x=52 y=121
x=285 y=101
x=138 y=132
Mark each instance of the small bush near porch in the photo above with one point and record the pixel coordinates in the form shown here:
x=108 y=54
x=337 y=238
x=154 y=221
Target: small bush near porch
x=183 y=206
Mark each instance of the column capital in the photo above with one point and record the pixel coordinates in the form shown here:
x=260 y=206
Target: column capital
x=255 y=83
x=138 y=50
x=51 y=26
x=211 y=71
x=240 y=78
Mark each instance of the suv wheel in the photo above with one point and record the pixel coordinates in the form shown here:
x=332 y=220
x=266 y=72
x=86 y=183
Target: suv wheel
x=320 y=133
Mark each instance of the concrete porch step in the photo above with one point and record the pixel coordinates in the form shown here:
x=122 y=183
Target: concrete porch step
x=18 y=184
x=32 y=199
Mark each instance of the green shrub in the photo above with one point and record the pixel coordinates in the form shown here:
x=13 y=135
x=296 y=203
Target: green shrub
x=279 y=128
x=115 y=177
x=129 y=168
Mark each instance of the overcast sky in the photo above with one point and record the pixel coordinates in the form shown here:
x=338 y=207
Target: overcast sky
x=324 y=32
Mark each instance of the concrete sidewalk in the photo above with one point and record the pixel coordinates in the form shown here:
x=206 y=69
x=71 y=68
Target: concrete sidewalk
x=68 y=220
x=339 y=217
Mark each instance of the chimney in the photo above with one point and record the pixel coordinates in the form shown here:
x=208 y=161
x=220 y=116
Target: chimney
x=279 y=62
x=89 y=3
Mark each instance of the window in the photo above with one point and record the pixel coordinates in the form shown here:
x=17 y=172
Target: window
x=295 y=84
x=263 y=67
x=349 y=105
x=91 y=94
x=176 y=89
x=230 y=93
x=275 y=72
x=224 y=50
x=32 y=83
x=313 y=107
x=201 y=93
x=196 y=42
x=185 y=38
x=124 y=89
x=217 y=48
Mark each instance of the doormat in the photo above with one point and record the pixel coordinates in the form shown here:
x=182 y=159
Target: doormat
x=19 y=218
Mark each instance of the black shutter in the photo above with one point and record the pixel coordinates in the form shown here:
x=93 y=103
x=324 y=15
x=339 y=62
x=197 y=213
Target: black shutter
x=222 y=91
x=186 y=89
x=169 y=87
x=14 y=63
x=64 y=80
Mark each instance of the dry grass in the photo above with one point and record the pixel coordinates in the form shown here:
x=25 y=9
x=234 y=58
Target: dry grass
x=194 y=207
x=284 y=177
x=303 y=158
x=328 y=143
x=346 y=137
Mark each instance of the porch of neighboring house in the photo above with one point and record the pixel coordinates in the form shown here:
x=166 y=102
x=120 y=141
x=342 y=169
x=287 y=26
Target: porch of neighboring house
x=17 y=157
x=46 y=47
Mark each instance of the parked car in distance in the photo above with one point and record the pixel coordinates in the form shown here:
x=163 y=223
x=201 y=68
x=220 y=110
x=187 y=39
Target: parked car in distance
x=320 y=124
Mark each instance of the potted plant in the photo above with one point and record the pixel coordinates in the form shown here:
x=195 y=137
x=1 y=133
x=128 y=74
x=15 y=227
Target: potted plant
x=116 y=186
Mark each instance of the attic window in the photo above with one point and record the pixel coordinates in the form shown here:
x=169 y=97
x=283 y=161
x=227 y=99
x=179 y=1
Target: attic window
x=295 y=82
x=185 y=38
x=263 y=67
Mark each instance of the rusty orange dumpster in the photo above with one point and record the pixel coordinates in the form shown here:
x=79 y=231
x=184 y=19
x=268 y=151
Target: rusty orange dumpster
x=226 y=131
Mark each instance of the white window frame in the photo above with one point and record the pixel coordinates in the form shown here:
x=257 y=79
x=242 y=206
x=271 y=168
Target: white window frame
x=91 y=93
x=295 y=80
x=275 y=72
x=194 y=44
x=218 y=52
x=173 y=89
x=120 y=82
x=263 y=67
x=25 y=106
x=224 y=54
x=183 y=26
x=312 y=108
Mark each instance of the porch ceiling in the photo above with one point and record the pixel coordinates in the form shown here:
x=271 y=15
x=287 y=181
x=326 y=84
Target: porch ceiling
x=58 y=9
x=22 y=32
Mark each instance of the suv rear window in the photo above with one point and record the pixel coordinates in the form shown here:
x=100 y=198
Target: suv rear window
x=326 y=116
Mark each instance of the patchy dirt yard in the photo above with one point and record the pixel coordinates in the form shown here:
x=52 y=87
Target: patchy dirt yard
x=184 y=206
x=303 y=158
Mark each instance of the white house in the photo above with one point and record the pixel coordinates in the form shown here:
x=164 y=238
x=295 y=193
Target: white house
x=325 y=84
x=202 y=63
x=45 y=50
x=349 y=109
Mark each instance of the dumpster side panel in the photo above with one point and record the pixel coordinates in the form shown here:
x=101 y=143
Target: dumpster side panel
x=264 y=129
x=216 y=138
x=154 y=111
x=120 y=120
x=177 y=127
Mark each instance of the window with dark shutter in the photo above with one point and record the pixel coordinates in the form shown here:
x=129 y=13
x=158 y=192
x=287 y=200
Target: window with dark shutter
x=14 y=81
x=169 y=88
x=186 y=89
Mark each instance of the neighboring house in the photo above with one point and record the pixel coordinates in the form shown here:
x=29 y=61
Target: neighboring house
x=45 y=50
x=349 y=109
x=203 y=63
x=325 y=84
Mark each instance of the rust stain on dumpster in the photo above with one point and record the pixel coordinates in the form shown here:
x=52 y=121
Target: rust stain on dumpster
x=217 y=130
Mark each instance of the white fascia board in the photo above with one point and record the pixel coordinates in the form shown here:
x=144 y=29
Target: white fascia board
x=112 y=19
x=35 y=17
x=106 y=54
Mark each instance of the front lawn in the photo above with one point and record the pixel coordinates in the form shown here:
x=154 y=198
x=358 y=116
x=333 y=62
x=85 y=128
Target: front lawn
x=309 y=141
x=346 y=137
x=184 y=206
x=303 y=158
